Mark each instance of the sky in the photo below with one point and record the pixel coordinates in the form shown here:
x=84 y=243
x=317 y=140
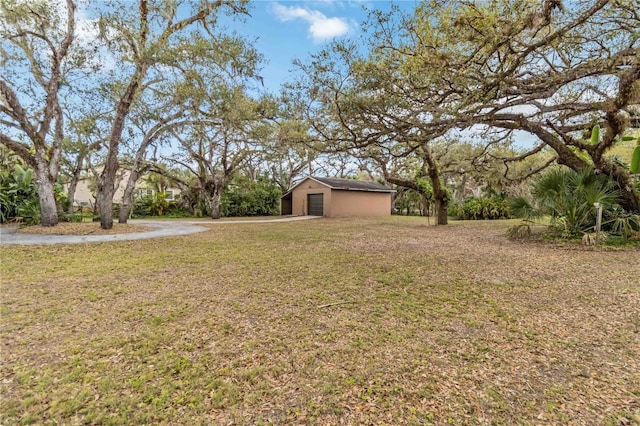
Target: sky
x=293 y=29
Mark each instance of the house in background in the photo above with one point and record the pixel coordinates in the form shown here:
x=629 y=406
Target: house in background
x=332 y=197
x=85 y=191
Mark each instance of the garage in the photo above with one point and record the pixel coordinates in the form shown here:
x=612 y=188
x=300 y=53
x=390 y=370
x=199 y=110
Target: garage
x=316 y=204
x=336 y=197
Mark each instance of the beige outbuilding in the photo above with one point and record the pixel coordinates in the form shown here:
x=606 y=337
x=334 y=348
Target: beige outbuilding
x=333 y=197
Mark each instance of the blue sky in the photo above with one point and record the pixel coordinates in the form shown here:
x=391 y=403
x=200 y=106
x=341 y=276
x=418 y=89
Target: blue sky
x=288 y=30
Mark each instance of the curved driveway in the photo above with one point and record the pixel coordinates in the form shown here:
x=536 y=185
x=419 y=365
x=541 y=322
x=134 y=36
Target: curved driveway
x=159 y=228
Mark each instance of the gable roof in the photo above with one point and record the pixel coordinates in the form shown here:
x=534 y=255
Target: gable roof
x=352 y=184
x=346 y=184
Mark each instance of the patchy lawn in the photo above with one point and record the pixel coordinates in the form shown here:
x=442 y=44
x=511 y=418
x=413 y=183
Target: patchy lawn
x=384 y=321
x=83 y=228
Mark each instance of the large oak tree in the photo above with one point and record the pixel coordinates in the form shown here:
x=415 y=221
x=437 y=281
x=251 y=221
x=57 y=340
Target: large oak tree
x=538 y=67
x=149 y=39
x=37 y=42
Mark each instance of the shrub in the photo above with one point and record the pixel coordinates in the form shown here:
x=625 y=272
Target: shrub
x=18 y=196
x=29 y=211
x=483 y=209
x=244 y=197
x=142 y=206
x=568 y=198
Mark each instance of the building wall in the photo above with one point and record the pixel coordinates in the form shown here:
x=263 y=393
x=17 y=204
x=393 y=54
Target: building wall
x=359 y=203
x=299 y=197
x=84 y=196
x=341 y=203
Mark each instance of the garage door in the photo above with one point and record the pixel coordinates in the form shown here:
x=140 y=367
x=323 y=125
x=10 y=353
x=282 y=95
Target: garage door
x=316 y=205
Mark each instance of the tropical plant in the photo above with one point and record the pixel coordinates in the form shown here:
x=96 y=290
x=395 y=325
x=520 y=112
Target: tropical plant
x=569 y=197
x=625 y=225
x=634 y=167
x=18 y=195
x=159 y=203
x=483 y=208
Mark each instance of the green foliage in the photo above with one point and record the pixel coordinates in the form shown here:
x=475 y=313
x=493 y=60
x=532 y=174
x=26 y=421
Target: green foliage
x=195 y=202
x=523 y=207
x=29 y=211
x=627 y=226
x=410 y=203
x=568 y=197
x=426 y=188
x=635 y=159
x=159 y=204
x=595 y=134
x=482 y=209
x=79 y=216
x=244 y=197
x=142 y=206
x=18 y=196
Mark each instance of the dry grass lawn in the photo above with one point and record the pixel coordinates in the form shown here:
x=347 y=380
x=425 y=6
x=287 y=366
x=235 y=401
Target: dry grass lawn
x=83 y=228
x=381 y=321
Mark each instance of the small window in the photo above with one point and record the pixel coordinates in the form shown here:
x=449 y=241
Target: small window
x=169 y=195
x=144 y=192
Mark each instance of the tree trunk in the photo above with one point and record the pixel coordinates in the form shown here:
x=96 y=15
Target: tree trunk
x=215 y=205
x=216 y=187
x=105 y=207
x=127 y=199
x=439 y=193
x=628 y=197
x=107 y=177
x=48 y=207
x=215 y=201
x=104 y=200
x=127 y=202
x=71 y=193
x=442 y=208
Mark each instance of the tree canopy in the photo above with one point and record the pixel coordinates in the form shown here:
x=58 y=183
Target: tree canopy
x=430 y=100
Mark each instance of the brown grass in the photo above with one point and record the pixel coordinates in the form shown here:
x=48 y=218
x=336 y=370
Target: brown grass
x=82 y=228
x=384 y=321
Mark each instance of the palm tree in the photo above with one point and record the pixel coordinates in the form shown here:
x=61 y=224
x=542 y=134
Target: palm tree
x=568 y=197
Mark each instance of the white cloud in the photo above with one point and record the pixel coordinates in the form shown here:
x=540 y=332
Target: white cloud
x=321 y=27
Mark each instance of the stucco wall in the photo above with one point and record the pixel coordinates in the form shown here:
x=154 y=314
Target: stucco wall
x=359 y=203
x=299 y=196
x=85 y=196
x=341 y=203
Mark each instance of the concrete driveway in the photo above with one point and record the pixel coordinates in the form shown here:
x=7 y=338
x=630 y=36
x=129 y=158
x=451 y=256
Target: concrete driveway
x=159 y=229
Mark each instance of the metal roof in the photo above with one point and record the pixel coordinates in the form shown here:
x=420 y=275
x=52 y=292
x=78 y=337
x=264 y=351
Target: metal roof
x=352 y=184
x=346 y=184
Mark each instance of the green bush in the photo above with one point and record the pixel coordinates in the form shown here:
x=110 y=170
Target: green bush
x=244 y=197
x=568 y=198
x=142 y=206
x=29 y=211
x=157 y=205
x=79 y=216
x=482 y=209
x=18 y=196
